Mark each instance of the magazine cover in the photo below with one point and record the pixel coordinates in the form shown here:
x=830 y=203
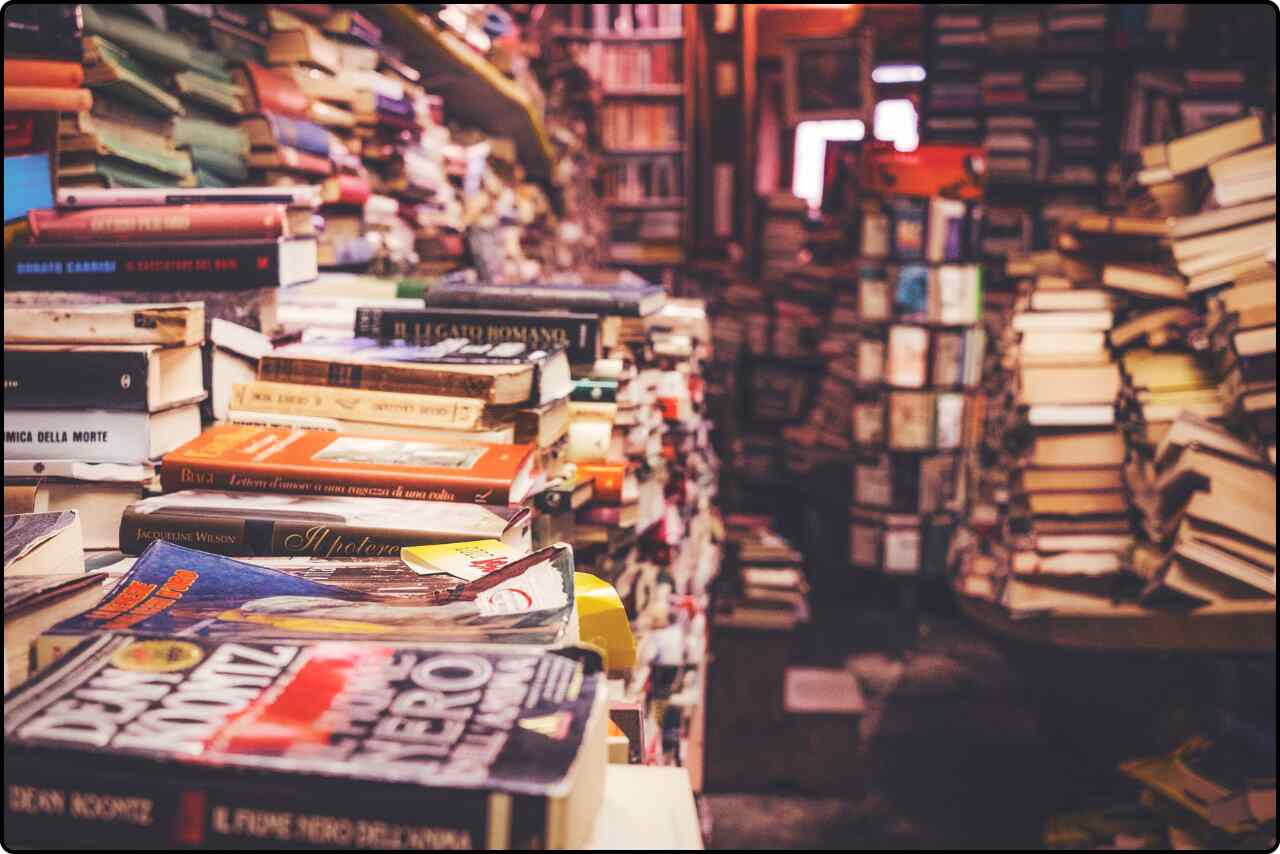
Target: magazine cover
x=175 y=590
x=171 y=741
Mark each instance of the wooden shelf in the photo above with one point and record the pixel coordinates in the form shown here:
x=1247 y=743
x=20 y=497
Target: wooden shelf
x=643 y=36
x=643 y=152
x=647 y=204
x=661 y=90
x=1239 y=627
x=473 y=89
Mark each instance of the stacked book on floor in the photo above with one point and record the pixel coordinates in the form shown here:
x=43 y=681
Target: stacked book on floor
x=1142 y=423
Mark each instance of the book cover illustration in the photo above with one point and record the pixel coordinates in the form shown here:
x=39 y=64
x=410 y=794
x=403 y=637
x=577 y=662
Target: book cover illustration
x=300 y=717
x=175 y=590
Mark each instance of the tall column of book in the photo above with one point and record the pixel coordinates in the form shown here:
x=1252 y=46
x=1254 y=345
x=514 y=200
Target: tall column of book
x=638 y=56
x=919 y=355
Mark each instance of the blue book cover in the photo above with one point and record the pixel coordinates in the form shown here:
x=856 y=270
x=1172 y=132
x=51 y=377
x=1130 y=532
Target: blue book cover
x=299 y=134
x=909 y=215
x=173 y=590
x=911 y=297
x=28 y=184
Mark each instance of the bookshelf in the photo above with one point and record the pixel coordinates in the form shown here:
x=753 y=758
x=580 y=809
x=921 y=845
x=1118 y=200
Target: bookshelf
x=1048 y=88
x=919 y=353
x=642 y=66
x=474 y=89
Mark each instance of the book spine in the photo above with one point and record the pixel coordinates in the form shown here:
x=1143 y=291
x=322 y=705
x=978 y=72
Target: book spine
x=162 y=222
x=578 y=336
x=44 y=434
x=180 y=472
x=299 y=134
x=532 y=298
x=97 y=379
x=47 y=99
x=374 y=377
x=348 y=190
x=130 y=325
x=130 y=804
x=132 y=266
x=418 y=410
x=43 y=72
x=258 y=537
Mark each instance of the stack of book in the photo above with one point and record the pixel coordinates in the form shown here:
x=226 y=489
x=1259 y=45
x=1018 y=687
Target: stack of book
x=1149 y=425
x=94 y=397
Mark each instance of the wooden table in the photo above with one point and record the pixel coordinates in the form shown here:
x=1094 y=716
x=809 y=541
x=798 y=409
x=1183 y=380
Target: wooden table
x=1234 y=627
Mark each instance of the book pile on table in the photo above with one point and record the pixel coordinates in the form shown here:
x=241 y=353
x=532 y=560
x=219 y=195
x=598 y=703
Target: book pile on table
x=94 y=397
x=1131 y=428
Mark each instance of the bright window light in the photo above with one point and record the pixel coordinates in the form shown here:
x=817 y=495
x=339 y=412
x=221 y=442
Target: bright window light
x=898 y=74
x=896 y=121
x=811 y=153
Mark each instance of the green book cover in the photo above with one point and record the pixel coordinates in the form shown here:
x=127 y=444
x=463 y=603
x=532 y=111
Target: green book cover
x=109 y=69
x=206 y=91
x=229 y=165
x=170 y=50
x=190 y=132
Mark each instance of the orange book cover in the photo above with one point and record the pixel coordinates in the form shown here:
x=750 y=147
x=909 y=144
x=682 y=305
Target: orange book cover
x=930 y=170
x=46 y=99
x=249 y=458
x=43 y=72
x=610 y=479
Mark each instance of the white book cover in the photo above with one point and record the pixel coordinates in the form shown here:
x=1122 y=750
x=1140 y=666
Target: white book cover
x=100 y=436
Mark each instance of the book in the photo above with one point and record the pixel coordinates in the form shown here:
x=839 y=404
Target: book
x=43 y=72
x=539 y=714
x=626 y=300
x=907 y=362
x=311 y=462
x=128 y=377
x=263 y=524
x=1075 y=385
x=581 y=336
x=98 y=435
x=88 y=197
x=160 y=223
x=1145 y=280
x=375 y=407
x=33 y=603
x=212 y=264
x=98 y=502
x=43 y=543
x=508 y=373
x=46 y=99
x=165 y=324
x=29 y=178
x=1198 y=150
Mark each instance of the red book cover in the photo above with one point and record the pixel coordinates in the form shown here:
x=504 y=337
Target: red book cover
x=346 y=190
x=43 y=72
x=321 y=462
x=159 y=222
x=275 y=92
x=929 y=170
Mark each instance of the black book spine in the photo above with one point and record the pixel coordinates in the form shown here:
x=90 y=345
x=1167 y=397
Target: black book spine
x=578 y=335
x=532 y=298
x=98 y=379
x=116 y=803
x=139 y=266
x=247 y=536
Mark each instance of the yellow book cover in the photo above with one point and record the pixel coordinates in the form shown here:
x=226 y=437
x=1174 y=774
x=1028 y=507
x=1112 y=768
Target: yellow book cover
x=469 y=560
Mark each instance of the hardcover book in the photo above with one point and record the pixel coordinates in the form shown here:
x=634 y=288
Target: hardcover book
x=579 y=335
x=318 y=462
x=130 y=377
x=625 y=299
x=907 y=365
x=911 y=420
x=175 y=590
x=160 y=222
x=212 y=264
x=293 y=753
x=259 y=524
x=501 y=374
